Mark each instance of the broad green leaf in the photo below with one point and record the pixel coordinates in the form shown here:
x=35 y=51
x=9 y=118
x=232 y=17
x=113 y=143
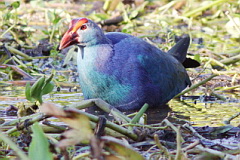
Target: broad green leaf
x=47 y=88
x=39 y=147
x=36 y=89
x=48 y=79
x=28 y=92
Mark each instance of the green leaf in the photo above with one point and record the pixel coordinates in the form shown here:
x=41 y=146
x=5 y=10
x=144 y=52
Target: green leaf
x=39 y=147
x=36 y=89
x=15 y=4
x=47 y=88
x=28 y=92
x=56 y=20
x=49 y=79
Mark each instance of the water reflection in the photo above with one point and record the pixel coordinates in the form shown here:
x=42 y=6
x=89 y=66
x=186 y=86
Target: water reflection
x=209 y=111
x=199 y=110
x=153 y=115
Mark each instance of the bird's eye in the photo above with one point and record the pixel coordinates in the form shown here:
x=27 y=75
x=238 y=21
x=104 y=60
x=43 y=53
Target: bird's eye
x=83 y=27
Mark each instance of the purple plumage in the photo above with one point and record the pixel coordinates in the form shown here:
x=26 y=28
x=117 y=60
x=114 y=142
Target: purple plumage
x=124 y=70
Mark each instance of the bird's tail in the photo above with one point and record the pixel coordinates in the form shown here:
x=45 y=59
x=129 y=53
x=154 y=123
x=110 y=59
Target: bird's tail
x=179 y=51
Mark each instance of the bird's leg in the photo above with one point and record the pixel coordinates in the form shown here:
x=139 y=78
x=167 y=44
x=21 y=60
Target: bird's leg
x=119 y=116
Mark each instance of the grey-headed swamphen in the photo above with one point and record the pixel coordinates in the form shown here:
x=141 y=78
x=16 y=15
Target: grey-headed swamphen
x=124 y=70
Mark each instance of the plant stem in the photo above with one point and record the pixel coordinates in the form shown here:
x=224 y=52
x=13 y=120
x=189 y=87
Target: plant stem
x=1 y=36
x=15 y=51
x=196 y=85
x=231 y=60
x=179 y=145
x=140 y=113
x=193 y=13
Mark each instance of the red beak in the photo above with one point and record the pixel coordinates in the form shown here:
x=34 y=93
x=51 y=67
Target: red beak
x=68 y=39
x=71 y=37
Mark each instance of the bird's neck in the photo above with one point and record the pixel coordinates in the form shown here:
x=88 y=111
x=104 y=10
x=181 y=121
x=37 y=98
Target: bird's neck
x=98 y=40
x=97 y=54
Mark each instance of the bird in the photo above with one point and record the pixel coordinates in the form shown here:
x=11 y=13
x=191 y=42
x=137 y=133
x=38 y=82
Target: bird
x=124 y=70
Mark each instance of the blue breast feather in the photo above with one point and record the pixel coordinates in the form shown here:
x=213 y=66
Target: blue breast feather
x=130 y=72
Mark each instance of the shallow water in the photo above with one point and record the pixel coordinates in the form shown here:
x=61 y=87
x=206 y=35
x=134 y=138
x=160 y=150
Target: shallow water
x=210 y=112
x=199 y=110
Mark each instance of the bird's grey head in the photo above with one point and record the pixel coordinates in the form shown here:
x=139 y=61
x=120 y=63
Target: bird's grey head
x=82 y=32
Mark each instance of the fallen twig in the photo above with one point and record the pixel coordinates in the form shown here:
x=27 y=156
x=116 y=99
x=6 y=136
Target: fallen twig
x=161 y=147
x=197 y=85
x=36 y=118
x=231 y=60
x=19 y=70
x=173 y=127
x=15 y=51
x=179 y=145
x=215 y=152
x=195 y=12
x=102 y=105
x=111 y=125
x=191 y=146
x=194 y=132
x=227 y=122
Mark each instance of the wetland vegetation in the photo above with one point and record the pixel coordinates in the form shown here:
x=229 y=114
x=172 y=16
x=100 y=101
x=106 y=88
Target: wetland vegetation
x=200 y=123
